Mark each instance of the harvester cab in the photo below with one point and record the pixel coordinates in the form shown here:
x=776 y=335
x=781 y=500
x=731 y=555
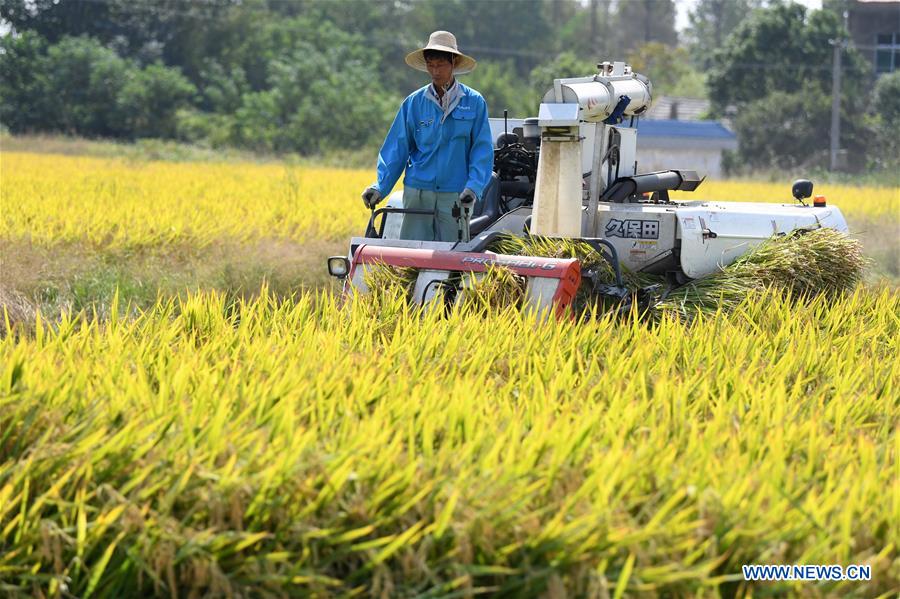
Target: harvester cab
x=572 y=173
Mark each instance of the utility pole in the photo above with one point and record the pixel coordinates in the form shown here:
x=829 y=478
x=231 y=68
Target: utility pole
x=838 y=44
x=835 y=103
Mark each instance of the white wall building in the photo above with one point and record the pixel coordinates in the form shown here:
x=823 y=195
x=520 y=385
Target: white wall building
x=695 y=145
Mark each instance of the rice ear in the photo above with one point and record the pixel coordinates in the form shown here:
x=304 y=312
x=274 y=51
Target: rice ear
x=495 y=289
x=386 y=280
x=804 y=264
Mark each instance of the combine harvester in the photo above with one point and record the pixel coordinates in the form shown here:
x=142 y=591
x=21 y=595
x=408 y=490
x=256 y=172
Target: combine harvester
x=571 y=173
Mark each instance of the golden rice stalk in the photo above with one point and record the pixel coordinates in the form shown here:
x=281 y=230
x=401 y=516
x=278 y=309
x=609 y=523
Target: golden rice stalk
x=386 y=280
x=554 y=247
x=490 y=291
x=389 y=297
x=558 y=247
x=823 y=261
x=806 y=263
x=104 y=202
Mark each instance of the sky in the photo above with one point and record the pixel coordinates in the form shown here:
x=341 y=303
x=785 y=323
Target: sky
x=685 y=6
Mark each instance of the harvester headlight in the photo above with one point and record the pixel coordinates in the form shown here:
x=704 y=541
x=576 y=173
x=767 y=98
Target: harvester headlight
x=338 y=266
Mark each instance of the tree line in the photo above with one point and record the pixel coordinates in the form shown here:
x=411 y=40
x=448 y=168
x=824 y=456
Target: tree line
x=312 y=76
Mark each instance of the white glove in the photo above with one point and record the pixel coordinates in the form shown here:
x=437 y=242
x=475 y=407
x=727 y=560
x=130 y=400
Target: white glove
x=371 y=197
x=467 y=198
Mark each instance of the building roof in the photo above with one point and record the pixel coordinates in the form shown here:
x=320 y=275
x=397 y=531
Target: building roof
x=683 y=129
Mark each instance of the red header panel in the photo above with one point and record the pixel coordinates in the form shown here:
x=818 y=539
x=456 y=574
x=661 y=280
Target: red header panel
x=554 y=268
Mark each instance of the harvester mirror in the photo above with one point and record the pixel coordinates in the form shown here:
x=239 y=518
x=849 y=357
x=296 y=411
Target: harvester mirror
x=338 y=266
x=802 y=189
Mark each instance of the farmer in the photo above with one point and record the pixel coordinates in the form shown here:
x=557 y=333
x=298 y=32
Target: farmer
x=442 y=138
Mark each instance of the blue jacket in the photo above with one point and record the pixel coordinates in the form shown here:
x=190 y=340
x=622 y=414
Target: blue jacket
x=442 y=157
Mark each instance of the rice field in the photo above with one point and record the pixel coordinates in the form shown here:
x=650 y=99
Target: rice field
x=857 y=203
x=116 y=203
x=271 y=445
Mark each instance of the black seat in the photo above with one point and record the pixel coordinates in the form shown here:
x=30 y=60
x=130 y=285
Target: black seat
x=487 y=208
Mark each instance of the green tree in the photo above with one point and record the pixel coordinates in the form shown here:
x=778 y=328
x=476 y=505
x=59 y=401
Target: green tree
x=150 y=99
x=564 y=65
x=518 y=31
x=641 y=21
x=796 y=133
x=502 y=89
x=258 y=124
x=85 y=80
x=780 y=49
x=886 y=99
x=670 y=70
x=322 y=96
x=711 y=21
x=78 y=86
x=325 y=107
x=885 y=122
x=53 y=20
x=588 y=32
x=223 y=88
x=176 y=32
x=25 y=92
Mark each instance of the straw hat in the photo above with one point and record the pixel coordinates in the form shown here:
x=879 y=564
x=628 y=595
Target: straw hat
x=445 y=42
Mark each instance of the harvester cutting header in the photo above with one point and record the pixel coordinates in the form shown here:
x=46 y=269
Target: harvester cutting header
x=572 y=173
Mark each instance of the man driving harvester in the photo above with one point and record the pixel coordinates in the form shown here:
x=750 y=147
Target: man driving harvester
x=442 y=138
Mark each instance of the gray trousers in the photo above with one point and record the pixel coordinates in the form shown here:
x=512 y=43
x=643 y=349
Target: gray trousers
x=428 y=228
